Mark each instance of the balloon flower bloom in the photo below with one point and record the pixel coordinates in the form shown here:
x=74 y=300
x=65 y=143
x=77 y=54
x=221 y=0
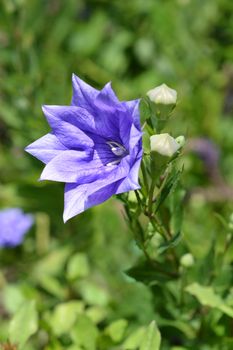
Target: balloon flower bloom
x=94 y=146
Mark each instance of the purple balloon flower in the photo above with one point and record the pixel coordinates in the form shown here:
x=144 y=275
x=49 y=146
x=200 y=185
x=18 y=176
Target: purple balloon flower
x=14 y=224
x=94 y=147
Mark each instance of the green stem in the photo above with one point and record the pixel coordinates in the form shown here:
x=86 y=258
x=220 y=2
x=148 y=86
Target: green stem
x=150 y=197
x=163 y=184
x=144 y=174
x=138 y=198
x=157 y=225
x=182 y=287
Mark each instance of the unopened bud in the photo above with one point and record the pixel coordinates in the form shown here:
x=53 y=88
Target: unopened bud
x=181 y=140
x=187 y=260
x=163 y=95
x=164 y=144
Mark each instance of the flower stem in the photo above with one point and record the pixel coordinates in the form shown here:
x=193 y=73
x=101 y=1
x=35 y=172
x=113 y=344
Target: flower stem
x=144 y=174
x=150 y=197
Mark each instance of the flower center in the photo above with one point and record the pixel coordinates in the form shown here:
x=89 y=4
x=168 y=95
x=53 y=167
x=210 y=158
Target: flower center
x=118 y=150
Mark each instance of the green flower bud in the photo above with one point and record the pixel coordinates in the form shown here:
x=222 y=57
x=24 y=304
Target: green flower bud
x=181 y=140
x=162 y=101
x=163 y=95
x=164 y=144
x=187 y=260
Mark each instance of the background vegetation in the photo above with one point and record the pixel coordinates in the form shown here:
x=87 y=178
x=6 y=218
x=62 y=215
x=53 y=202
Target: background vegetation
x=71 y=277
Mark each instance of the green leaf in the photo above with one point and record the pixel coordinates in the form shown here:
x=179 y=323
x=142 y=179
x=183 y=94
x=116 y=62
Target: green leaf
x=177 y=210
x=222 y=220
x=182 y=326
x=152 y=338
x=116 y=330
x=170 y=185
x=53 y=286
x=93 y=293
x=206 y=296
x=145 y=111
x=146 y=273
x=13 y=297
x=135 y=339
x=64 y=316
x=146 y=141
x=52 y=264
x=84 y=333
x=96 y=313
x=24 y=324
x=170 y=244
x=78 y=266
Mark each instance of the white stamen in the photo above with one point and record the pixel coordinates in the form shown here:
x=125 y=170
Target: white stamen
x=117 y=148
x=115 y=162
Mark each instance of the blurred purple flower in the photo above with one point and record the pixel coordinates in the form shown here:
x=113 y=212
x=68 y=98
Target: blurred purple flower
x=206 y=150
x=95 y=147
x=14 y=224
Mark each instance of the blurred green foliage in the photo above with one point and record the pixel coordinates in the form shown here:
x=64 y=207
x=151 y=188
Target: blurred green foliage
x=65 y=285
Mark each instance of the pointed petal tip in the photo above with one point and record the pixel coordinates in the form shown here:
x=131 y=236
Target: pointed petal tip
x=74 y=77
x=27 y=149
x=64 y=219
x=44 y=108
x=70 y=213
x=77 y=80
x=108 y=84
x=67 y=216
x=43 y=177
x=48 y=107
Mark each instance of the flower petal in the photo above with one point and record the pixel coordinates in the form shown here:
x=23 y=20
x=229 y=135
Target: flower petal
x=68 y=134
x=128 y=118
x=83 y=94
x=74 y=115
x=131 y=181
x=102 y=124
x=75 y=166
x=81 y=197
x=134 y=138
x=125 y=124
x=46 y=148
x=106 y=99
x=133 y=109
